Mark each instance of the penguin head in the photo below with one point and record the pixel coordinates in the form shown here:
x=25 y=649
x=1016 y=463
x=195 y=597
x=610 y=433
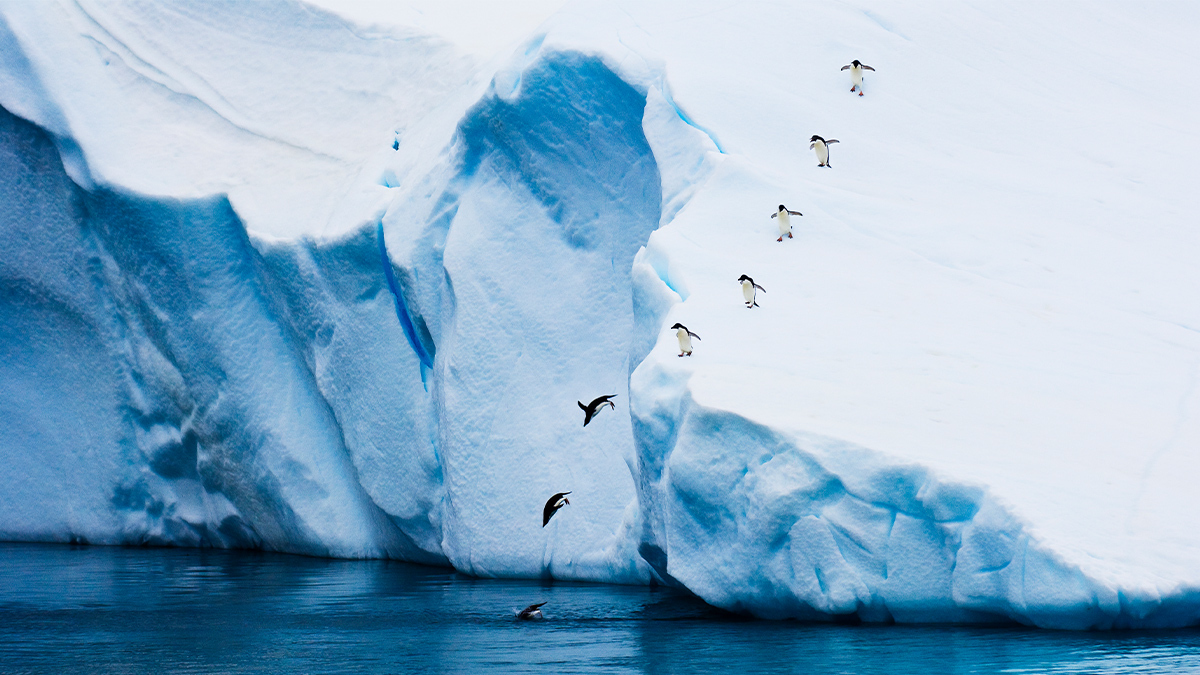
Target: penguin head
x=678 y=326
x=745 y=278
x=782 y=208
x=855 y=63
x=816 y=138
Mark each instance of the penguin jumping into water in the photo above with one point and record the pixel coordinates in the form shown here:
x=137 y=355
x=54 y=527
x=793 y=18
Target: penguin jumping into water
x=685 y=339
x=785 y=221
x=856 y=73
x=822 y=147
x=553 y=504
x=592 y=409
x=531 y=612
x=749 y=289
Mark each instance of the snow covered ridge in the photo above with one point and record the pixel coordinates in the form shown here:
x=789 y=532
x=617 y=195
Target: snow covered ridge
x=941 y=410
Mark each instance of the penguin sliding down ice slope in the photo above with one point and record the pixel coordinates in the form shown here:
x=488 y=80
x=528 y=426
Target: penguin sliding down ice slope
x=785 y=221
x=592 y=409
x=856 y=71
x=685 y=339
x=749 y=289
x=822 y=147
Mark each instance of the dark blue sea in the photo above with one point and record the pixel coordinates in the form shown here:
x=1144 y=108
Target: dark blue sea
x=82 y=609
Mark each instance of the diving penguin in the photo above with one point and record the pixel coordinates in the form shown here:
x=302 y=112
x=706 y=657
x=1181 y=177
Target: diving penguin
x=553 y=504
x=532 y=612
x=822 y=147
x=749 y=288
x=856 y=73
x=685 y=339
x=785 y=221
x=592 y=409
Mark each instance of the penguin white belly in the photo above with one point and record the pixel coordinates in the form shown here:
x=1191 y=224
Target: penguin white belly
x=822 y=153
x=856 y=76
x=785 y=223
x=748 y=292
x=685 y=341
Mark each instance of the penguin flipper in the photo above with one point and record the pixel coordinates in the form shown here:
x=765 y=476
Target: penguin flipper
x=693 y=335
x=831 y=141
x=582 y=406
x=760 y=288
x=812 y=145
x=777 y=213
x=846 y=67
x=866 y=67
x=795 y=213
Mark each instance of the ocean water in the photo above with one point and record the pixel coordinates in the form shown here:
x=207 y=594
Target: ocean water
x=82 y=609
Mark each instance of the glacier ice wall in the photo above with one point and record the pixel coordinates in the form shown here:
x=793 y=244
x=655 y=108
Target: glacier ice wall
x=158 y=391
x=333 y=398
x=512 y=262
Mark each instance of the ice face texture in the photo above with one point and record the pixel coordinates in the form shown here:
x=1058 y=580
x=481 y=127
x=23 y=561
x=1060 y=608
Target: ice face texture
x=342 y=303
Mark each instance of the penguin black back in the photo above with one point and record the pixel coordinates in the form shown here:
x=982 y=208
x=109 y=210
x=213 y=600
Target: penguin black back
x=590 y=410
x=552 y=506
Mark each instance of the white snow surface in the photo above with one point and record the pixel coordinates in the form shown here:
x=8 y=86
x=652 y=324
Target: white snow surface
x=271 y=278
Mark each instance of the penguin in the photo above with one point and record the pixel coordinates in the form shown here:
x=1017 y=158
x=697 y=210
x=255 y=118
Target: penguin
x=785 y=221
x=685 y=339
x=553 y=504
x=822 y=147
x=856 y=72
x=531 y=612
x=748 y=291
x=592 y=409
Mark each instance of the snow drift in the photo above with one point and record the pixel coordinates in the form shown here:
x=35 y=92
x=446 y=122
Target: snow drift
x=343 y=302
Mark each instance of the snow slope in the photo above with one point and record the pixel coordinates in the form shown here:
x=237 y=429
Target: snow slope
x=273 y=280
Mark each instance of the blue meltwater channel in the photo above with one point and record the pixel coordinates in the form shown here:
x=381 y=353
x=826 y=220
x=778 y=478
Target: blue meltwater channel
x=80 y=609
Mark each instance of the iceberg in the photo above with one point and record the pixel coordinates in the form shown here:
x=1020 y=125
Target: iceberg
x=273 y=279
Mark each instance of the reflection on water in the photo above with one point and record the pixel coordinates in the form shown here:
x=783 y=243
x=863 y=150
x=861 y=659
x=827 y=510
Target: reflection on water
x=119 y=610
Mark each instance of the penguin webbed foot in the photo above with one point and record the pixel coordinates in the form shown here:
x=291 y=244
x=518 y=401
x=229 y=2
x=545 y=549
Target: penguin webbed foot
x=780 y=239
x=789 y=236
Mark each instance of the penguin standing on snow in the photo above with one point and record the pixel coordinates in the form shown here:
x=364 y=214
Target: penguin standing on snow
x=553 y=504
x=785 y=221
x=749 y=289
x=856 y=71
x=590 y=410
x=685 y=339
x=822 y=147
